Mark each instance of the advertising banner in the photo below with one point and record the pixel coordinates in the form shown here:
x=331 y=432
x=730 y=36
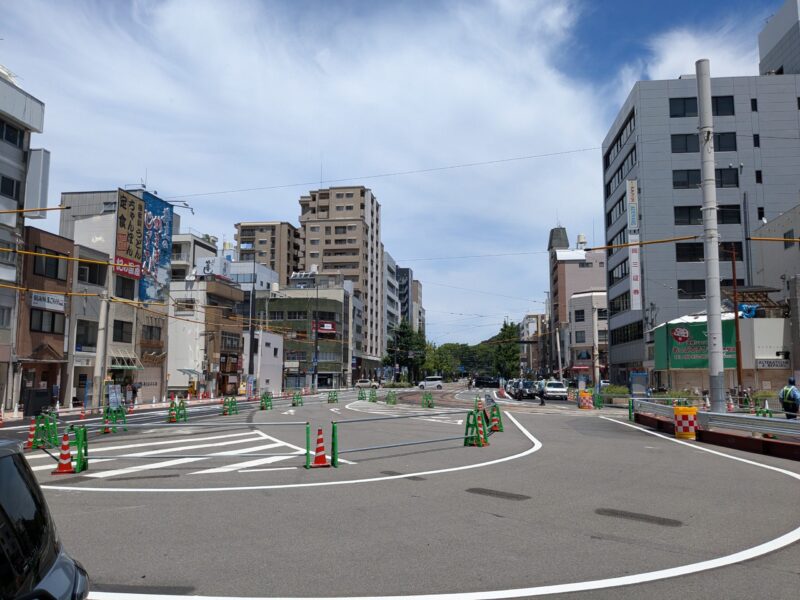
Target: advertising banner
x=687 y=345
x=51 y=302
x=156 y=249
x=635 y=271
x=326 y=327
x=130 y=228
x=632 y=198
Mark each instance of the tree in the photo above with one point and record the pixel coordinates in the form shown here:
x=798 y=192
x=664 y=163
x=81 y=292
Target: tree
x=408 y=350
x=506 y=351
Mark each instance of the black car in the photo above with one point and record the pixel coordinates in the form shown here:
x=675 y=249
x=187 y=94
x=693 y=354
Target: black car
x=525 y=389
x=487 y=382
x=33 y=564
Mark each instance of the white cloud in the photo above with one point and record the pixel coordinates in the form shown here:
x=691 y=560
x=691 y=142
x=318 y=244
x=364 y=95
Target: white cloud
x=207 y=96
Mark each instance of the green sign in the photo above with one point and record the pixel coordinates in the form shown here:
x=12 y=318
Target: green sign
x=685 y=346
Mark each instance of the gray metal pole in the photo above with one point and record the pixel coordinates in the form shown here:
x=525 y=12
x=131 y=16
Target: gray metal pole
x=99 y=374
x=716 y=373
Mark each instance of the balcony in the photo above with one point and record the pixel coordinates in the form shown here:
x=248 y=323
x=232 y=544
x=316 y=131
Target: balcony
x=179 y=257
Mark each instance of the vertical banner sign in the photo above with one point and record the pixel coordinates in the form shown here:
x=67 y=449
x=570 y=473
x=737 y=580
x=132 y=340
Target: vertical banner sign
x=130 y=227
x=634 y=252
x=156 y=249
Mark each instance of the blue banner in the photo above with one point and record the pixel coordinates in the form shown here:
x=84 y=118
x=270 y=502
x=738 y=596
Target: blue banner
x=156 y=250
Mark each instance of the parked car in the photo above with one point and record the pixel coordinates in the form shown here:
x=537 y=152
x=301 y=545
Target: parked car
x=432 y=382
x=366 y=383
x=483 y=381
x=554 y=390
x=33 y=563
x=525 y=389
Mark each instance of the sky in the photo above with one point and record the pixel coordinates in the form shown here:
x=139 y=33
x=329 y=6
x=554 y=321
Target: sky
x=202 y=99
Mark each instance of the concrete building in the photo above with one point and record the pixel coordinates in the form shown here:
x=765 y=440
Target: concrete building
x=24 y=173
x=135 y=229
x=531 y=330
x=205 y=354
x=779 y=41
x=390 y=300
x=41 y=324
x=571 y=271
x=268 y=358
x=190 y=248
x=776 y=263
x=651 y=156
x=275 y=244
x=405 y=277
x=588 y=316
x=341 y=233
x=417 y=309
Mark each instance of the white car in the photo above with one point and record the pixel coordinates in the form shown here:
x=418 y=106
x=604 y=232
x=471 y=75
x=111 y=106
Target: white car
x=366 y=384
x=554 y=390
x=432 y=382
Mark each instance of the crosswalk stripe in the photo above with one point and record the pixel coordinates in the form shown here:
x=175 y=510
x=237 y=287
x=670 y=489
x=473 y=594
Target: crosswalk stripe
x=249 y=463
x=193 y=447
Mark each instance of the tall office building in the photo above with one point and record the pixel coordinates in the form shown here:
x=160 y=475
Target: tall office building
x=390 y=300
x=274 y=244
x=779 y=41
x=405 y=277
x=651 y=158
x=341 y=233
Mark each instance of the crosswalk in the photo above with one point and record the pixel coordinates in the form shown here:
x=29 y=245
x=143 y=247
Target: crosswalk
x=397 y=410
x=227 y=453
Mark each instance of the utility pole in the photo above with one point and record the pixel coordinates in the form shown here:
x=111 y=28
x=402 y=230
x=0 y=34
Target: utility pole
x=739 y=376
x=716 y=373
x=595 y=348
x=100 y=354
x=315 y=321
x=250 y=369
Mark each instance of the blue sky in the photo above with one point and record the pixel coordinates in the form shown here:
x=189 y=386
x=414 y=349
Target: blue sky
x=202 y=96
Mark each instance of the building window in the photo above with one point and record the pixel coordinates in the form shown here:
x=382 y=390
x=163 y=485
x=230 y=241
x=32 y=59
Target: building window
x=585 y=265
x=759 y=177
x=691 y=289
x=6 y=257
x=602 y=314
x=297 y=315
x=124 y=287
x=184 y=305
x=682 y=107
x=760 y=213
x=619 y=175
x=754 y=104
x=685 y=142
x=619 y=304
x=11 y=134
x=92 y=273
x=276 y=315
x=729 y=282
x=619 y=141
x=49 y=266
x=729 y=214
x=85 y=335
x=47 y=321
x=9 y=187
x=725 y=142
x=299 y=355
x=348 y=195
x=689 y=252
x=340 y=230
x=722 y=106
x=616 y=211
x=602 y=336
x=580 y=316
x=580 y=337
x=789 y=235
x=627 y=333
x=618 y=273
x=5 y=317
x=123 y=331
x=314 y=229
x=727 y=250
x=350 y=207
x=756 y=140
x=339 y=208
x=688 y=215
x=685 y=179
x=314 y=242
x=151 y=333
x=619 y=239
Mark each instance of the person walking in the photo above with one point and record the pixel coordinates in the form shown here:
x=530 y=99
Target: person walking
x=790 y=399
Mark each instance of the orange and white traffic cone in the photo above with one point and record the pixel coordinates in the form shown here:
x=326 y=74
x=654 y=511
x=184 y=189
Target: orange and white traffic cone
x=106 y=429
x=83 y=413
x=482 y=439
x=31 y=435
x=495 y=422
x=319 y=453
x=1 y=419
x=65 y=459
x=730 y=405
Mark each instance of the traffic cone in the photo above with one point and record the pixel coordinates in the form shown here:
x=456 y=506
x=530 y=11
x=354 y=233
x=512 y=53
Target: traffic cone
x=65 y=459
x=319 y=453
x=1 y=419
x=31 y=435
x=106 y=429
x=83 y=413
x=730 y=405
x=482 y=439
x=495 y=422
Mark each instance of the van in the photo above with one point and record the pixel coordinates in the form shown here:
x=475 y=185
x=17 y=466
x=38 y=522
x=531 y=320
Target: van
x=33 y=563
x=432 y=382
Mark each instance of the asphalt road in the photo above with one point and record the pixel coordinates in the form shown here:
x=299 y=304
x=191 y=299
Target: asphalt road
x=561 y=496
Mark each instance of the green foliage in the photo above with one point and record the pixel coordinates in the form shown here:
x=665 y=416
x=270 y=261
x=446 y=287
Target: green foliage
x=615 y=390
x=408 y=350
x=398 y=384
x=505 y=351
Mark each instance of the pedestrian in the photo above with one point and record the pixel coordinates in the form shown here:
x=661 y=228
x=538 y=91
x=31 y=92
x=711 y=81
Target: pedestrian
x=790 y=399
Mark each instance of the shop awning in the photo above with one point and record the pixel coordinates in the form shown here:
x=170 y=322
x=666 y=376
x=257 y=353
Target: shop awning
x=121 y=359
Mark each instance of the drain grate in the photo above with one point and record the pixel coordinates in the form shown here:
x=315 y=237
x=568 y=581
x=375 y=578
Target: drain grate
x=498 y=494
x=624 y=514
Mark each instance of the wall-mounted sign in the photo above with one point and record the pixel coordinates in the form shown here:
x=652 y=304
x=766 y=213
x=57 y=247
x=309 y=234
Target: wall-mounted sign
x=632 y=198
x=635 y=271
x=772 y=363
x=326 y=327
x=130 y=228
x=51 y=302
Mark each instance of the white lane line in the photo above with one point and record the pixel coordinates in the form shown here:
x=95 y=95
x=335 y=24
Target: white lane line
x=562 y=588
x=241 y=440
x=147 y=467
x=536 y=445
x=53 y=465
x=269 y=469
x=248 y=463
x=392 y=410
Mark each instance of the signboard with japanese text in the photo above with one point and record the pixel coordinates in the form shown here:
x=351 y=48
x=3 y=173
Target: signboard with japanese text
x=326 y=327
x=685 y=346
x=130 y=230
x=635 y=271
x=632 y=199
x=156 y=249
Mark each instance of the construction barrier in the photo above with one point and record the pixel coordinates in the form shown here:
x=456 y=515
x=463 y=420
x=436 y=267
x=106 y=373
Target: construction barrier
x=373 y=395
x=115 y=415
x=427 y=400
x=266 y=401
x=585 y=401
x=45 y=431
x=183 y=414
x=362 y=395
x=685 y=422
x=391 y=398
x=336 y=451
x=475 y=432
x=320 y=459
x=230 y=406
x=297 y=399
x=333 y=397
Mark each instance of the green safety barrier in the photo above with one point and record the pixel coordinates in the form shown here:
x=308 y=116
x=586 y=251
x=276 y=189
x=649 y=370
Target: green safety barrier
x=391 y=397
x=297 y=399
x=230 y=406
x=471 y=433
x=266 y=401
x=334 y=444
x=114 y=416
x=362 y=395
x=81 y=457
x=630 y=409
x=764 y=412
x=182 y=413
x=172 y=413
x=308 y=444
x=373 y=395
x=427 y=400
x=46 y=433
x=597 y=400
x=333 y=397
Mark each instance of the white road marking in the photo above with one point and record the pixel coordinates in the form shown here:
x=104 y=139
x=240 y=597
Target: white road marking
x=53 y=466
x=363 y=406
x=269 y=469
x=338 y=411
x=562 y=588
x=288 y=412
x=250 y=463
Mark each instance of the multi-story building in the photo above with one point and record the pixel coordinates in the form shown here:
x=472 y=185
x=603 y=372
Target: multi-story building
x=405 y=277
x=189 y=249
x=779 y=41
x=23 y=184
x=391 y=301
x=135 y=229
x=571 y=271
x=341 y=233
x=776 y=263
x=205 y=354
x=274 y=244
x=531 y=354
x=588 y=334
x=41 y=324
x=653 y=146
x=417 y=310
